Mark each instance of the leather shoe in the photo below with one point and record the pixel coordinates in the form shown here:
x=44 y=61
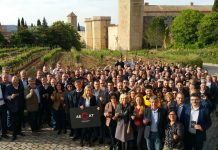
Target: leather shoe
x=13 y=138
x=5 y=136
x=81 y=143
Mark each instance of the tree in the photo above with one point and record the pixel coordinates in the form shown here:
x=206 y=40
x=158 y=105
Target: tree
x=22 y=38
x=22 y=22
x=44 y=22
x=38 y=23
x=64 y=35
x=184 y=27
x=155 y=32
x=215 y=6
x=18 y=22
x=3 y=41
x=208 y=29
x=25 y=25
x=78 y=28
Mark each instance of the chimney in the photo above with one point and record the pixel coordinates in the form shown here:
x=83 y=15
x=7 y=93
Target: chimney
x=146 y=3
x=191 y=4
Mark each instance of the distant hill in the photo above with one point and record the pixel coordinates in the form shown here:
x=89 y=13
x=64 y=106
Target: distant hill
x=13 y=28
x=10 y=28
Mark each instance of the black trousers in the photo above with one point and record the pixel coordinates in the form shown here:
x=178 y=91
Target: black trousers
x=16 y=119
x=191 y=142
x=3 y=119
x=33 y=120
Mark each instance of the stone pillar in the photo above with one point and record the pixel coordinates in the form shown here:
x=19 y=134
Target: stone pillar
x=130 y=27
x=100 y=32
x=88 y=33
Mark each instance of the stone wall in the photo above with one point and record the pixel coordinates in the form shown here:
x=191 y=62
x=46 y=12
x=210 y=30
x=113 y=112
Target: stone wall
x=97 y=32
x=73 y=21
x=113 y=37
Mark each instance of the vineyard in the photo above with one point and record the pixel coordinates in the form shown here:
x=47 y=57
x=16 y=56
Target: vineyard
x=30 y=59
x=34 y=58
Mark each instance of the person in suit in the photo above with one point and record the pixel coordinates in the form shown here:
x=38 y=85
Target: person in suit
x=155 y=123
x=196 y=122
x=46 y=91
x=32 y=97
x=87 y=100
x=101 y=100
x=3 y=112
x=15 y=97
x=180 y=99
x=74 y=98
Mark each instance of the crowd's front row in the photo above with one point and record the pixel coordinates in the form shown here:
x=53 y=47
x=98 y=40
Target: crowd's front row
x=132 y=121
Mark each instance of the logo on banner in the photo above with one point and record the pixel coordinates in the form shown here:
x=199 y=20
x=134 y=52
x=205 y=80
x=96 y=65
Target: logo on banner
x=85 y=116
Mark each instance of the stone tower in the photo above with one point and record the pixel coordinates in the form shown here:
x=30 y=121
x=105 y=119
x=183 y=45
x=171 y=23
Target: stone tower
x=97 y=32
x=72 y=19
x=130 y=27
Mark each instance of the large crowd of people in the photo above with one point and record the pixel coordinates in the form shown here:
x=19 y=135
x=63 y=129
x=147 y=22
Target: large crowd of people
x=144 y=106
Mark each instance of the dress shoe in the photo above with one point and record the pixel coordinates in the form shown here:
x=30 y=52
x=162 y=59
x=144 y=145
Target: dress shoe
x=65 y=131
x=59 y=132
x=13 y=138
x=5 y=136
x=90 y=144
x=81 y=143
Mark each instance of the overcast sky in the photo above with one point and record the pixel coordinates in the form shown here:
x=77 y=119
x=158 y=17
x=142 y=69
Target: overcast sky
x=54 y=10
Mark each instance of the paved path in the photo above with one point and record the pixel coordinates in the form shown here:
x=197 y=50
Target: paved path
x=45 y=140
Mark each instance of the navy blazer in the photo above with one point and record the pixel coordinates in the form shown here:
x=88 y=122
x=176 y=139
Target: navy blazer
x=18 y=102
x=161 y=123
x=3 y=87
x=203 y=119
x=74 y=98
x=93 y=102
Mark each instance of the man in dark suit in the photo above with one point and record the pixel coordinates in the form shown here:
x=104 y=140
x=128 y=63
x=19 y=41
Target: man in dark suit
x=73 y=99
x=3 y=112
x=196 y=122
x=155 y=123
x=181 y=107
x=15 y=97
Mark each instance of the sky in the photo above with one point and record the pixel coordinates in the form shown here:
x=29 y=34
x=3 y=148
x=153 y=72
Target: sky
x=55 y=10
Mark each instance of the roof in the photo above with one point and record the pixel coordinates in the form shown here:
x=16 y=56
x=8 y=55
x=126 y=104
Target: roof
x=71 y=15
x=174 y=8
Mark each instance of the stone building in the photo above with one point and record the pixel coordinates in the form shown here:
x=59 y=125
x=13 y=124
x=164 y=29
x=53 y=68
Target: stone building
x=72 y=19
x=134 y=18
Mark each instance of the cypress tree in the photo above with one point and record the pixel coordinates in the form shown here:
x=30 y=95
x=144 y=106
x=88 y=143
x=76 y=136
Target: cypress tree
x=18 y=23
x=38 y=23
x=22 y=22
x=44 y=22
x=78 y=28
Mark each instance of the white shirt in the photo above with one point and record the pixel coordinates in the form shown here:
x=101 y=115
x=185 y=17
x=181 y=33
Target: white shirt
x=193 y=117
x=87 y=103
x=1 y=97
x=25 y=85
x=154 y=119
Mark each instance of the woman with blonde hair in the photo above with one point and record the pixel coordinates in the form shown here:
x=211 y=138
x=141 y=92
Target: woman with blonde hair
x=87 y=100
x=123 y=129
x=170 y=102
x=137 y=123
